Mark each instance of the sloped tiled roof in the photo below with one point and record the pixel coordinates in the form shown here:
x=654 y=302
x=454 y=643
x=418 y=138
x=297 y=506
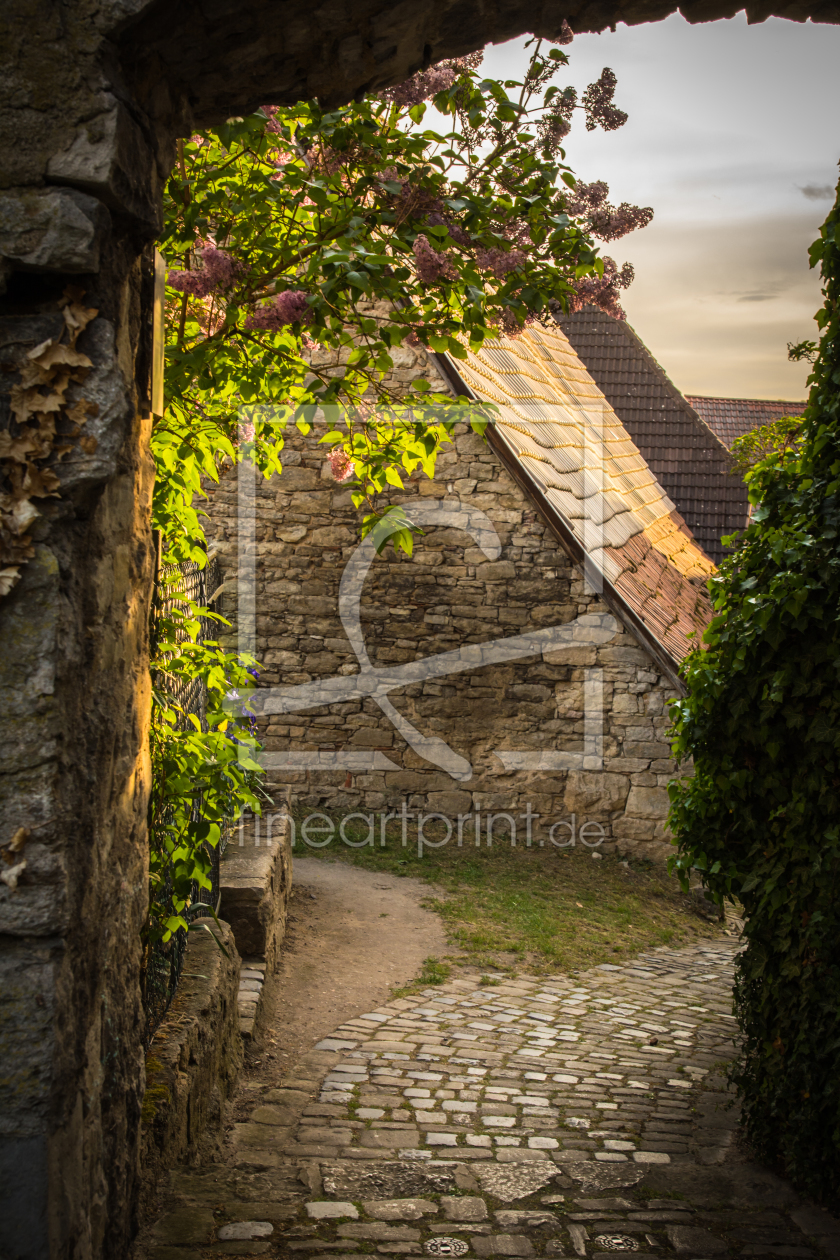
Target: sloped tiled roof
x=690 y=461
x=731 y=418
x=576 y=459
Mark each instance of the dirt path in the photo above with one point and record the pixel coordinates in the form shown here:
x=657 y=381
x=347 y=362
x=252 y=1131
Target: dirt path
x=352 y=936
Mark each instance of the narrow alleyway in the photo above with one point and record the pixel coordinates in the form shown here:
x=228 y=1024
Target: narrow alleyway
x=568 y=1116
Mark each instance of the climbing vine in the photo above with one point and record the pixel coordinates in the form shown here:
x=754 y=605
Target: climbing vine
x=761 y=816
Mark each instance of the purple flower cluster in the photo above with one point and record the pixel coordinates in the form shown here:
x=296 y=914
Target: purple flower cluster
x=602 y=291
x=500 y=262
x=598 y=103
x=427 y=83
x=431 y=266
x=272 y=125
x=610 y=223
x=606 y=221
x=290 y=307
x=436 y=219
x=507 y=325
x=218 y=271
x=566 y=34
x=587 y=197
x=556 y=123
x=420 y=87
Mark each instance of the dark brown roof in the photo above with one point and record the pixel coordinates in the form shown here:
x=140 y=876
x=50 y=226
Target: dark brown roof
x=687 y=458
x=731 y=418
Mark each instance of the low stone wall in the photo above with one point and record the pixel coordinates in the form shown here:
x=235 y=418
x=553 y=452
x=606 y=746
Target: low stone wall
x=256 y=881
x=256 y=884
x=195 y=1058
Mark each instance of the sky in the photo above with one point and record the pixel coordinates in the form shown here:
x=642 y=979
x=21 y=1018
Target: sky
x=733 y=138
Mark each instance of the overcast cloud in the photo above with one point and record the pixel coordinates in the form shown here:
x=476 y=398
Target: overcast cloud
x=733 y=140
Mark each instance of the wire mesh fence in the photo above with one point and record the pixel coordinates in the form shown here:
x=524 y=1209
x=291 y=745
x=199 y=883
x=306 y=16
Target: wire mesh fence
x=164 y=961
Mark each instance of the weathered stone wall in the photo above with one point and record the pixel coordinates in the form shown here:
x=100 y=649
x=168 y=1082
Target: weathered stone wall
x=74 y=693
x=194 y=1061
x=447 y=595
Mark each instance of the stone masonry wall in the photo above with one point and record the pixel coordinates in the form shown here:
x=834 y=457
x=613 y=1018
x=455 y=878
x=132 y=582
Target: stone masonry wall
x=448 y=594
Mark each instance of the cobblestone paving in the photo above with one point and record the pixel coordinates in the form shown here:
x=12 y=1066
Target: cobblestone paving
x=562 y=1116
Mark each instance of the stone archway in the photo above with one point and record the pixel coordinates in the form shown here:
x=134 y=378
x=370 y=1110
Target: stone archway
x=93 y=97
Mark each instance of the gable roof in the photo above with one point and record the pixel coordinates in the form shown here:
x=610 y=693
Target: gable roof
x=561 y=440
x=686 y=456
x=731 y=418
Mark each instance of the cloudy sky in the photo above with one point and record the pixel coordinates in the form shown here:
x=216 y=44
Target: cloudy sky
x=734 y=140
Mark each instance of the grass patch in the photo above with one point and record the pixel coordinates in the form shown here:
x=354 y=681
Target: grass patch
x=433 y=971
x=536 y=909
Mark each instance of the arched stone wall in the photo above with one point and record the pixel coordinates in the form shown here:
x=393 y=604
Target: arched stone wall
x=92 y=97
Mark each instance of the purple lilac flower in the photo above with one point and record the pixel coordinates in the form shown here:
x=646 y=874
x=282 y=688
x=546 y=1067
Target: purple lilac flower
x=427 y=83
x=598 y=103
x=606 y=221
x=290 y=307
x=431 y=266
x=436 y=219
x=218 y=271
x=602 y=291
x=500 y=262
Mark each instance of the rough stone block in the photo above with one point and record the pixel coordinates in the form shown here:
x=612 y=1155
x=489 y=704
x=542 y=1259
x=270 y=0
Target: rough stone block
x=256 y=884
x=399 y=1209
x=450 y=804
x=692 y=1240
x=52 y=229
x=588 y=790
x=109 y=158
x=648 y=802
x=468 y=1208
x=503 y=1245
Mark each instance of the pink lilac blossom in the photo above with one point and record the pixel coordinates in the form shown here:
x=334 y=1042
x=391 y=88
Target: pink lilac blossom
x=427 y=83
x=587 y=197
x=218 y=271
x=556 y=123
x=566 y=34
x=508 y=325
x=610 y=223
x=341 y=464
x=519 y=234
x=598 y=103
x=290 y=307
x=602 y=291
x=431 y=266
x=272 y=125
x=246 y=432
x=606 y=221
x=500 y=262
x=436 y=219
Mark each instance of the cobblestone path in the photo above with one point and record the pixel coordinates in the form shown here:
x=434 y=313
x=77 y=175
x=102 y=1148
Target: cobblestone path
x=574 y=1117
